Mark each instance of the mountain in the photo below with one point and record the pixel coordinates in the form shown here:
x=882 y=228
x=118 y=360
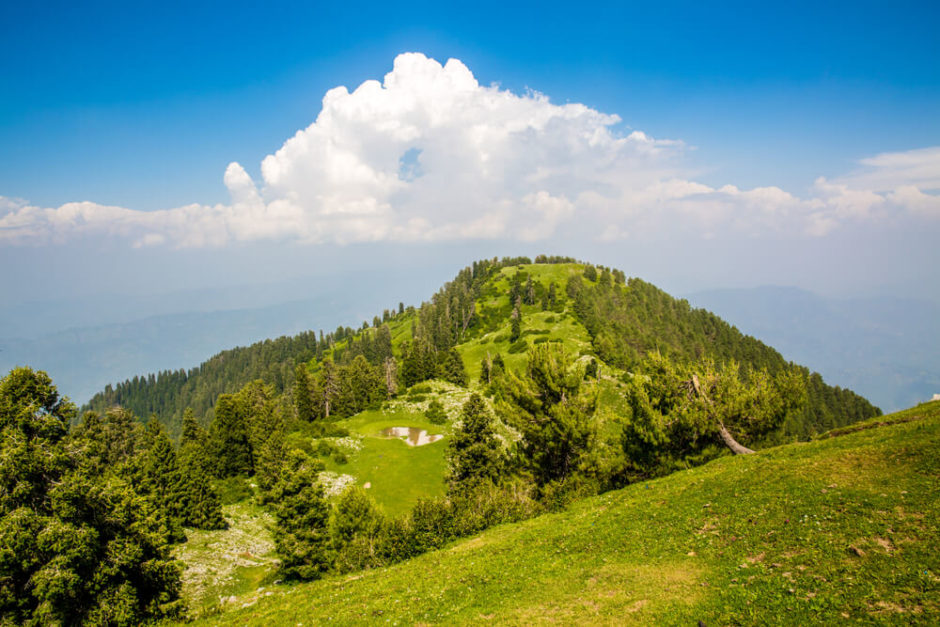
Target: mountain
x=83 y=360
x=596 y=311
x=886 y=348
x=551 y=357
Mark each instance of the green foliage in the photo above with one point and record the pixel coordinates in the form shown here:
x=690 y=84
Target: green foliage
x=356 y=529
x=435 y=412
x=301 y=515
x=232 y=490
x=677 y=412
x=77 y=547
x=839 y=530
x=474 y=453
x=548 y=407
x=157 y=475
x=229 y=439
x=303 y=394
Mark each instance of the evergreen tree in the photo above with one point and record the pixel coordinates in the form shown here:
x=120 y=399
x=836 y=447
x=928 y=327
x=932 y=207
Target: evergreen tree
x=76 y=548
x=301 y=518
x=486 y=367
x=303 y=396
x=230 y=443
x=451 y=367
x=474 y=453
x=202 y=506
x=515 y=324
x=356 y=530
x=678 y=411
x=547 y=405
x=157 y=476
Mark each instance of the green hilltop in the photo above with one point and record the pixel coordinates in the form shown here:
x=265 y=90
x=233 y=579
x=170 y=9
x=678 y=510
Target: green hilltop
x=493 y=314
x=840 y=528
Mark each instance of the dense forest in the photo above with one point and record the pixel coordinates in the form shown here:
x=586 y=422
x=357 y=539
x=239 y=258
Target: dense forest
x=572 y=380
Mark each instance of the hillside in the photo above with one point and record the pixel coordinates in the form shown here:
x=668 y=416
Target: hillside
x=841 y=528
x=594 y=311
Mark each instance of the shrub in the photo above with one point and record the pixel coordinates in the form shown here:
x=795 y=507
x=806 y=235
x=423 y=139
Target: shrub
x=519 y=346
x=435 y=412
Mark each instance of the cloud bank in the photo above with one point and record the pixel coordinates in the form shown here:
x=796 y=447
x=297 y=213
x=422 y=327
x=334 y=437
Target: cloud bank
x=429 y=154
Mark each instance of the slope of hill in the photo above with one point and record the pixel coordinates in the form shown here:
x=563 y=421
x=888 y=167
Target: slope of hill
x=596 y=312
x=841 y=528
x=886 y=348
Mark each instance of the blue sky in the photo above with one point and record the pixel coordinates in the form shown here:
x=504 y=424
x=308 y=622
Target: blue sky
x=144 y=106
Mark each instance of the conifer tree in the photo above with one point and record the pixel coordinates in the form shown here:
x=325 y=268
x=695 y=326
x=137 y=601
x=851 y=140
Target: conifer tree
x=515 y=325
x=75 y=547
x=203 y=507
x=230 y=442
x=303 y=396
x=474 y=453
x=549 y=407
x=451 y=368
x=159 y=478
x=301 y=515
x=355 y=530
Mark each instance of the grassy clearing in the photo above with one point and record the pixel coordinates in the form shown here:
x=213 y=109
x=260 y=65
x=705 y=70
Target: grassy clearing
x=843 y=528
x=397 y=474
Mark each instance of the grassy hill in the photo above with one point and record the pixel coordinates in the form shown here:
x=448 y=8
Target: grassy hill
x=841 y=528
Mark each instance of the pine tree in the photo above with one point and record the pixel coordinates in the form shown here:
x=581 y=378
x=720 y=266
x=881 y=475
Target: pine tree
x=547 y=405
x=229 y=438
x=515 y=325
x=301 y=518
x=159 y=478
x=303 y=397
x=435 y=412
x=474 y=453
x=355 y=530
x=203 y=507
x=77 y=548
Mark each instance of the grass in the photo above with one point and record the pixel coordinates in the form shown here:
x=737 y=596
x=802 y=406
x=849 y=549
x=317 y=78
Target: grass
x=842 y=528
x=397 y=474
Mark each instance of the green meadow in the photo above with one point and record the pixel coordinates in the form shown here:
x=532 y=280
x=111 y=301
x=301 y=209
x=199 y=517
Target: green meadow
x=843 y=528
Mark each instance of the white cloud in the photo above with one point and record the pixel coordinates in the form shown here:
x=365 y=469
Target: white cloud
x=430 y=154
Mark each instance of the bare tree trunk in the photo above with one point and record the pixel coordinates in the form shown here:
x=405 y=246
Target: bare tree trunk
x=726 y=437
x=730 y=442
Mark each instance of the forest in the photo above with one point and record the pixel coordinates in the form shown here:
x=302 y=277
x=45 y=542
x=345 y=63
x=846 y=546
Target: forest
x=573 y=380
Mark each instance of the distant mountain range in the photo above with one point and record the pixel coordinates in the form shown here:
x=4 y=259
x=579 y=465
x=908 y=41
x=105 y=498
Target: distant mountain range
x=887 y=349
x=83 y=360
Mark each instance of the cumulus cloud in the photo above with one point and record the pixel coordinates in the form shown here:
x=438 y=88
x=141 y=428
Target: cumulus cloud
x=430 y=154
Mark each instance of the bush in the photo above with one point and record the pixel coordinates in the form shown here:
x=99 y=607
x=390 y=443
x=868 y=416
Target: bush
x=432 y=524
x=519 y=346
x=340 y=457
x=417 y=398
x=325 y=449
x=421 y=388
x=435 y=412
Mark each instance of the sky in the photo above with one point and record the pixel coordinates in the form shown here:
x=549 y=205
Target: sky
x=150 y=148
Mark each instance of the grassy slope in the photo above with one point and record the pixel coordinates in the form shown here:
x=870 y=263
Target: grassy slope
x=844 y=527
